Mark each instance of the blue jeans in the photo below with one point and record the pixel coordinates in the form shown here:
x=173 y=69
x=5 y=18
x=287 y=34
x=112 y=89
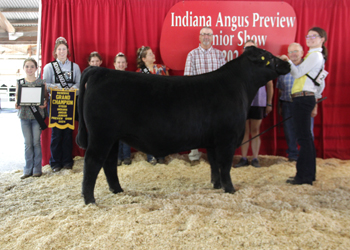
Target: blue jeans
x=306 y=164
x=289 y=130
x=32 y=148
x=61 y=147
x=124 y=151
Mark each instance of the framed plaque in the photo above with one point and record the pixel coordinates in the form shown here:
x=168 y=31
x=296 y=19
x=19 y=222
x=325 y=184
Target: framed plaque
x=30 y=94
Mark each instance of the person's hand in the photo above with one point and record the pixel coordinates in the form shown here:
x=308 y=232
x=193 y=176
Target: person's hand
x=16 y=106
x=268 y=109
x=43 y=106
x=284 y=58
x=279 y=108
x=314 y=111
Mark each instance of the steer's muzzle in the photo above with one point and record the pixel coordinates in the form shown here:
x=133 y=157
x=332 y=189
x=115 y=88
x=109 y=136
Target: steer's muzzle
x=282 y=67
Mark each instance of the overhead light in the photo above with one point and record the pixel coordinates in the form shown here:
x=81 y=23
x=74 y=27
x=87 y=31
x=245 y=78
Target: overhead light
x=15 y=35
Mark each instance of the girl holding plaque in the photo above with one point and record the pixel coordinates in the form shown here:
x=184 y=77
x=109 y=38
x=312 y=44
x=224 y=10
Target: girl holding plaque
x=62 y=74
x=30 y=126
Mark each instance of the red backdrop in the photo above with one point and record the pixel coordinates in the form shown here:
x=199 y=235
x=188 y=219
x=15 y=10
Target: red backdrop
x=112 y=26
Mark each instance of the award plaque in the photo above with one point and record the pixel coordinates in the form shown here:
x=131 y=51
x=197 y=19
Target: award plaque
x=30 y=94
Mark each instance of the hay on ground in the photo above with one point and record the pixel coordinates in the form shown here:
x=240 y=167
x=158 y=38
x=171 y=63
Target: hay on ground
x=173 y=206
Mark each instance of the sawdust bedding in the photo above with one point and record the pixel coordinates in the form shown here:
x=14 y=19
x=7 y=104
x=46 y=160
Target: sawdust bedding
x=173 y=206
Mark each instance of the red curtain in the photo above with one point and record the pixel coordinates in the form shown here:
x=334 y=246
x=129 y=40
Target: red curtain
x=112 y=26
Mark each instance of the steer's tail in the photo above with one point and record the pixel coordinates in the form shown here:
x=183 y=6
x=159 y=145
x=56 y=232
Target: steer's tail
x=82 y=137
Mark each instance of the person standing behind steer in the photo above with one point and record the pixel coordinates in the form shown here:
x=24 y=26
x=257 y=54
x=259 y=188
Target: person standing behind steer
x=284 y=84
x=145 y=63
x=202 y=60
x=307 y=87
x=62 y=139
x=95 y=59
x=260 y=107
x=124 y=153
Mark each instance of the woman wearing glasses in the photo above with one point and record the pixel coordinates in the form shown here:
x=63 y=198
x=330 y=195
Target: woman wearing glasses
x=305 y=91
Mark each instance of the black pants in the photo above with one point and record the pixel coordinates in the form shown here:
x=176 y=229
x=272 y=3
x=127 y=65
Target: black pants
x=306 y=164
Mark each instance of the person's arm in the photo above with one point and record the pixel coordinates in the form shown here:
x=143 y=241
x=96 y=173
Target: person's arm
x=314 y=111
x=46 y=96
x=16 y=105
x=278 y=86
x=222 y=60
x=189 y=65
x=166 y=70
x=279 y=105
x=269 y=93
x=312 y=61
x=77 y=76
x=49 y=77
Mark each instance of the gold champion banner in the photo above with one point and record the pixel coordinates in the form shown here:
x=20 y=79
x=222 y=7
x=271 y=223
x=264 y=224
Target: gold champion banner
x=62 y=108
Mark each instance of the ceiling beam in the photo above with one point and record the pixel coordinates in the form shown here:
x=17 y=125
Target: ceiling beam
x=6 y=25
x=20 y=22
x=19 y=9
x=20 y=40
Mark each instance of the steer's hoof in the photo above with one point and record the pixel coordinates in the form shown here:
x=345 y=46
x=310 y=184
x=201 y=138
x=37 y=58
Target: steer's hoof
x=117 y=190
x=90 y=201
x=230 y=190
x=217 y=185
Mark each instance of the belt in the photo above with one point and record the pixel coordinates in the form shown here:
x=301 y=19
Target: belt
x=302 y=93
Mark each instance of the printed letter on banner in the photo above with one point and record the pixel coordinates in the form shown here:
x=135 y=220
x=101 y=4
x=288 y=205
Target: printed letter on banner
x=62 y=109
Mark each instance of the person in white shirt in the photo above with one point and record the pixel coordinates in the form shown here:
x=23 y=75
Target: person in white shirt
x=305 y=92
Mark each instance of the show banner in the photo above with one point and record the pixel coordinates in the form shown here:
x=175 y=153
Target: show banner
x=272 y=25
x=62 y=108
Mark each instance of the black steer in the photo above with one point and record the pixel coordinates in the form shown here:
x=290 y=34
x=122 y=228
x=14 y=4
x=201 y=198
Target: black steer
x=161 y=115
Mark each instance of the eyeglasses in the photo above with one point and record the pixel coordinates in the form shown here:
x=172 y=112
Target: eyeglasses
x=312 y=37
x=293 y=52
x=206 y=34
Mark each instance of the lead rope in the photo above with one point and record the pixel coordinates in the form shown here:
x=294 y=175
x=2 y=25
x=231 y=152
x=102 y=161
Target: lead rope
x=324 y=98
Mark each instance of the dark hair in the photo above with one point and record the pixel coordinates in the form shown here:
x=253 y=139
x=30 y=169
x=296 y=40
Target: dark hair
x=141 y=53
x=30 y=60
x=323 y=34
x=58 y=43
x=120 y=54
x=94 y=54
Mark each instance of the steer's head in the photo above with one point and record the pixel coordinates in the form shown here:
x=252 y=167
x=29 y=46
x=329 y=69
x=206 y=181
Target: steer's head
x=266 y=61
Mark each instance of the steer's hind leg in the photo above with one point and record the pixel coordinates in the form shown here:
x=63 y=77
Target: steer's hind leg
x=215 y=172
x=110 y=169
x=92 y=167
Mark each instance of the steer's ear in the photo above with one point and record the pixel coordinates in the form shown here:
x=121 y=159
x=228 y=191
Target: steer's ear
x=257 y=55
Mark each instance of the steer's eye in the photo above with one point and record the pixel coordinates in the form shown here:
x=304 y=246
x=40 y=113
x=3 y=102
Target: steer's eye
x=263 y=58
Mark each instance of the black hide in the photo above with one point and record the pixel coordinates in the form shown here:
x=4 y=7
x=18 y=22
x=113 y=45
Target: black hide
x=160 y=115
